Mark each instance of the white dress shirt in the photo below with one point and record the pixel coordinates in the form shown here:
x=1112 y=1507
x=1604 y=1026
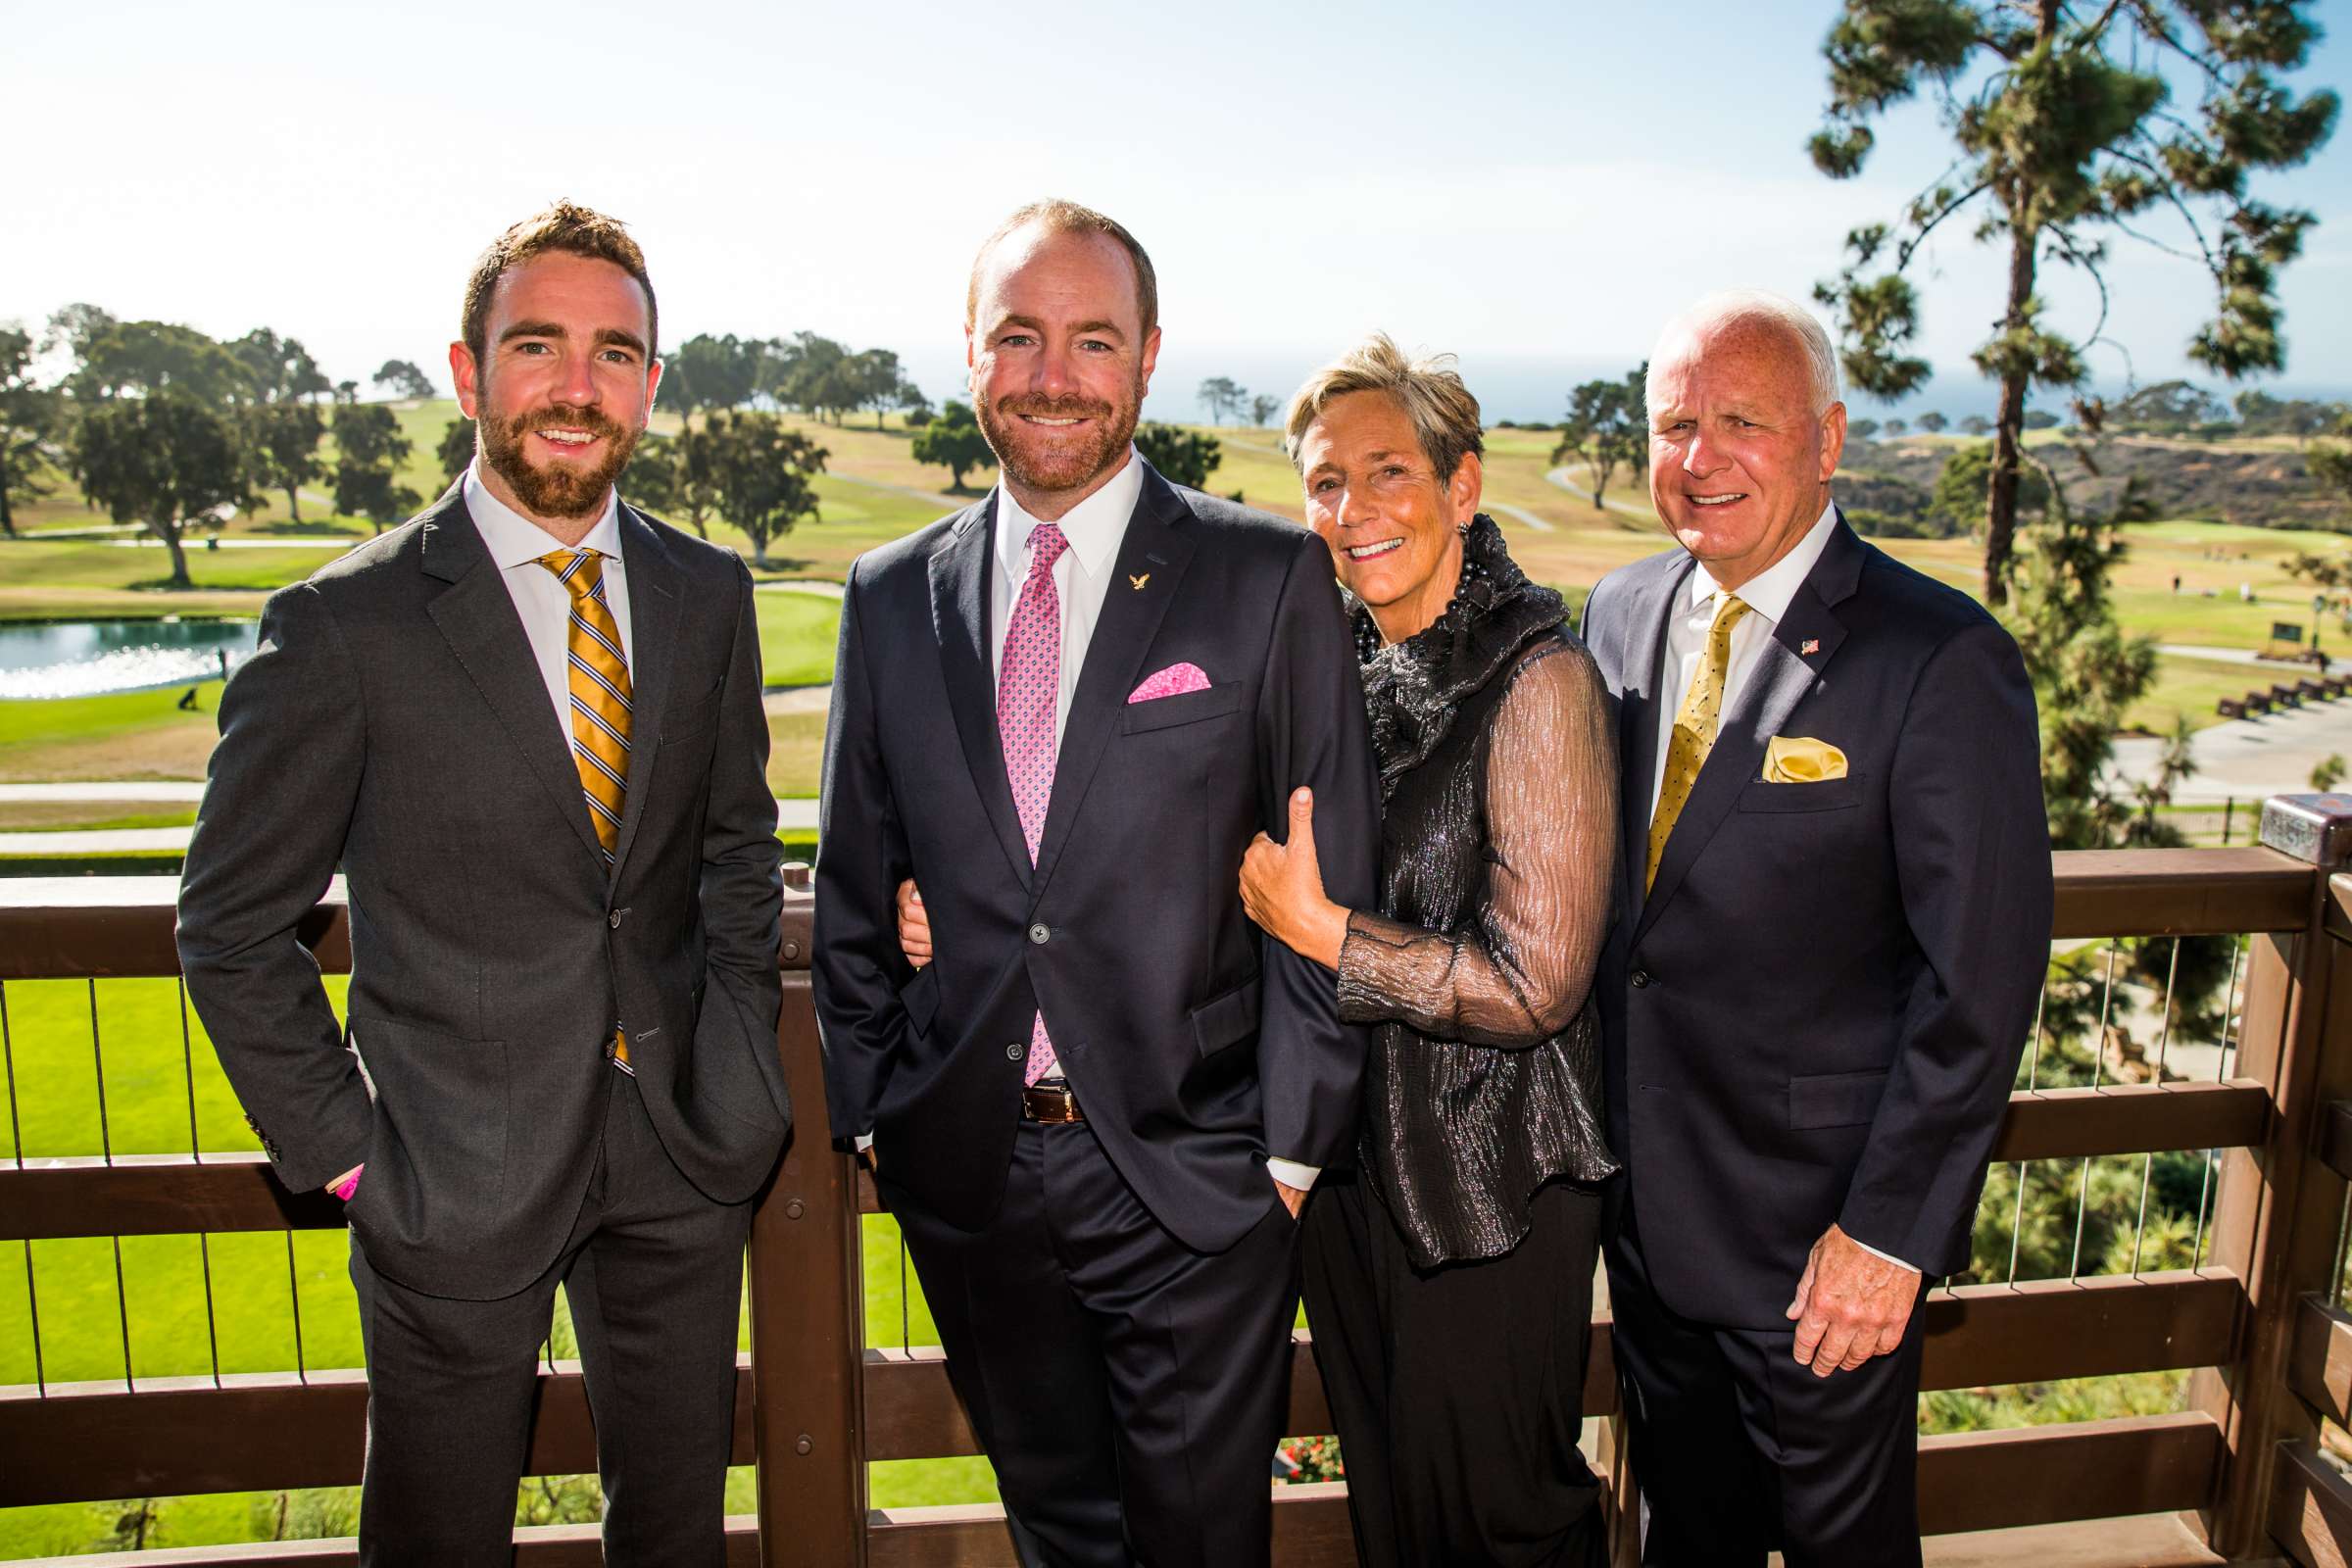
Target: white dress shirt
x=515 y=543
x=1767 y=596
x=1095 y=528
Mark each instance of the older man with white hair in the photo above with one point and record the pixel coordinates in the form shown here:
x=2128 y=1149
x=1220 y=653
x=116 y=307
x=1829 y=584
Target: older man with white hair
x=1836 y=913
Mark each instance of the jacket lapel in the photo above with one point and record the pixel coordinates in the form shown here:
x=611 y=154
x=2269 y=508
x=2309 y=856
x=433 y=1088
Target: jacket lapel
x=1641 y=706
x=1157 y=547
x=1784 y=674
x=652 y=583
x=477 y=615
x=960 y=580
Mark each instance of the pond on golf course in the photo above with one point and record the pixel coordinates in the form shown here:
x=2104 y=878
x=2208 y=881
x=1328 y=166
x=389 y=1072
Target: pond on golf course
x=92 y=657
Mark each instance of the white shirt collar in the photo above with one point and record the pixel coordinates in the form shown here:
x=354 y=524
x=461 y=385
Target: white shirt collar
x=1093 y=527
x=514 y=540
x=1770 y=591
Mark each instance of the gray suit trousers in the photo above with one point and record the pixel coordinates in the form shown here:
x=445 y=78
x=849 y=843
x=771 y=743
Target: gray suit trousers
x=654 y=1271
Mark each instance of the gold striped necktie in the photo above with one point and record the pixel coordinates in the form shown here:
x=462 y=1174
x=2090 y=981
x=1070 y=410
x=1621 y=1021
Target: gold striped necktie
x=1694 y=724
x=599 y=703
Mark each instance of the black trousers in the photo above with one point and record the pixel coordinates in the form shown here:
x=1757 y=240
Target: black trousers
x=1740 y=1451
x=1458 y=1391
x=654 y=1270
x=1127 y=1390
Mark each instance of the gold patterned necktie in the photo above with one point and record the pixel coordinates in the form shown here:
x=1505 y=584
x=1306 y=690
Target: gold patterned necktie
x=1693 y=731
x=600 y=705
x=600 y=692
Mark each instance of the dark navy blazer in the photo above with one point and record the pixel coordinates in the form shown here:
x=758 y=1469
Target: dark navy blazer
x=1196 y=1046
x=1816 y=1013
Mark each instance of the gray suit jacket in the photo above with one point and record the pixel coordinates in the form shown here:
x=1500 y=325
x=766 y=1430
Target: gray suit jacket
x=393 y=722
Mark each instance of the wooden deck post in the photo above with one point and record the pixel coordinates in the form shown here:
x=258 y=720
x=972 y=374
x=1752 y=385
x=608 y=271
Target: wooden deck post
x=2276 y=1206
x=807 y=1331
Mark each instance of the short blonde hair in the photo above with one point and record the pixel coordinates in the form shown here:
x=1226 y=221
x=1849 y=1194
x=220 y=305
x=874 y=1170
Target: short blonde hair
x=1429 y=390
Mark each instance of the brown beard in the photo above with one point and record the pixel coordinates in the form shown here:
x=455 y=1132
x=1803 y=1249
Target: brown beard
x=1114 y=431
x=554 y=492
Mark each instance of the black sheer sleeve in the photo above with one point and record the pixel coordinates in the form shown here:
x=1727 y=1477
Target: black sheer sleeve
x=1516 y=969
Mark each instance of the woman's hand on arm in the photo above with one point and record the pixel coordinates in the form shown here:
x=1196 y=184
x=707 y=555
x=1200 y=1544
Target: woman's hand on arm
x=1281 y=888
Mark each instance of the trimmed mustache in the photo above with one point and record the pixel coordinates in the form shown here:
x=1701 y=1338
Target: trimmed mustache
x=1038 y=406
x=592 y=421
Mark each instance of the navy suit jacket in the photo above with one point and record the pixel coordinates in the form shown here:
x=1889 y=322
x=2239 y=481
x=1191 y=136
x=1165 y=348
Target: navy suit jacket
x=1196 y=1046
x=1816 y=1013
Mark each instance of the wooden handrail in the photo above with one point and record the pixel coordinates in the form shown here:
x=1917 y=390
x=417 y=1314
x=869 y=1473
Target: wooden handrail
x=535 y=1546
x=121 y=927
x=149 y=1442
x=179 y=1194
x=99 y=1439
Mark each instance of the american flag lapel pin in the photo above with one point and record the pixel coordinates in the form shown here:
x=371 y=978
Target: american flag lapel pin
x=1809 y=647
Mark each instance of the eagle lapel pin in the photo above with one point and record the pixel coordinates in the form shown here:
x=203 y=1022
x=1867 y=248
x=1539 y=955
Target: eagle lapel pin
x=1137 y=583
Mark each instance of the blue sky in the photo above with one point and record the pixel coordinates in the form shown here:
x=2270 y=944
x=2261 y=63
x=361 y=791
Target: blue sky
x=1532 y=186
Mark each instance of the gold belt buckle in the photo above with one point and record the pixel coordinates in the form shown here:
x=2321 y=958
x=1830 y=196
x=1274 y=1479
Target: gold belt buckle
x=1051 y=1104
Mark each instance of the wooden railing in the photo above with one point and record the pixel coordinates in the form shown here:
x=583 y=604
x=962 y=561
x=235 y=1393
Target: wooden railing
x=2244 y=1464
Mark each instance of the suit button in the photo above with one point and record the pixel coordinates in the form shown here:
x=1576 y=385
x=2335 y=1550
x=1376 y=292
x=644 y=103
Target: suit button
x=1040 y=934
x=613 y=919
x=1639 y=978
x=1015 y=1052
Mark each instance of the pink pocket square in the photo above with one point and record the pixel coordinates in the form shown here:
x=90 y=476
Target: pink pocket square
x=1173 y=681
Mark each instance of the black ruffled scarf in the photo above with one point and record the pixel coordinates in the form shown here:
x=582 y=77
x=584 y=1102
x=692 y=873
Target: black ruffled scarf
x=1413 y=688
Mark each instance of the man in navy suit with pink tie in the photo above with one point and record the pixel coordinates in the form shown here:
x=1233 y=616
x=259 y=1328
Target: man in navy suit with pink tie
x=1064 y=711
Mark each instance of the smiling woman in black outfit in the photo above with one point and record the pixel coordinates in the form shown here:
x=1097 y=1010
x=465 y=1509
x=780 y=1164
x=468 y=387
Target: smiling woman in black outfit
x=1449 y=1274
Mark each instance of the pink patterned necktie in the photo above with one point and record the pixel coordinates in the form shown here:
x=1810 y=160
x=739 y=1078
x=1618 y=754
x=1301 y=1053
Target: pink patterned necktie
x=1028 y=696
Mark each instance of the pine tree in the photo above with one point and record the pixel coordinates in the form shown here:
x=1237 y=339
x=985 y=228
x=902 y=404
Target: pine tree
x=2065 y=132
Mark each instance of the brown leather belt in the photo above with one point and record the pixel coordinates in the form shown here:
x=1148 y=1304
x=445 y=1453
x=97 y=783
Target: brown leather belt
x=1049 y=1102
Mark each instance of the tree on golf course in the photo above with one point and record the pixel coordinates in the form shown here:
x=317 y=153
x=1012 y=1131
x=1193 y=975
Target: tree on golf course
x=953 y=441
x=368 y=452
x=1182 y=457
x=402 y=379
x=165 y=461
x=2065 y=130
x=762 y=472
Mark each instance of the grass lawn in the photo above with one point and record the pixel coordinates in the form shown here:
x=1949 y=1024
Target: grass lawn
x=34 y=817
x=128 y=735
x=796 y=635
x=2220 y=623
x=2193 y=688
x=796 y=751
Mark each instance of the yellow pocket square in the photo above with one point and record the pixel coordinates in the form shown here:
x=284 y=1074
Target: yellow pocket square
x=1798 y=759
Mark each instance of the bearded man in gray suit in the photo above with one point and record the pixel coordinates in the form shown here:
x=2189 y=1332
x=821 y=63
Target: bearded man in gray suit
x=527 y=726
